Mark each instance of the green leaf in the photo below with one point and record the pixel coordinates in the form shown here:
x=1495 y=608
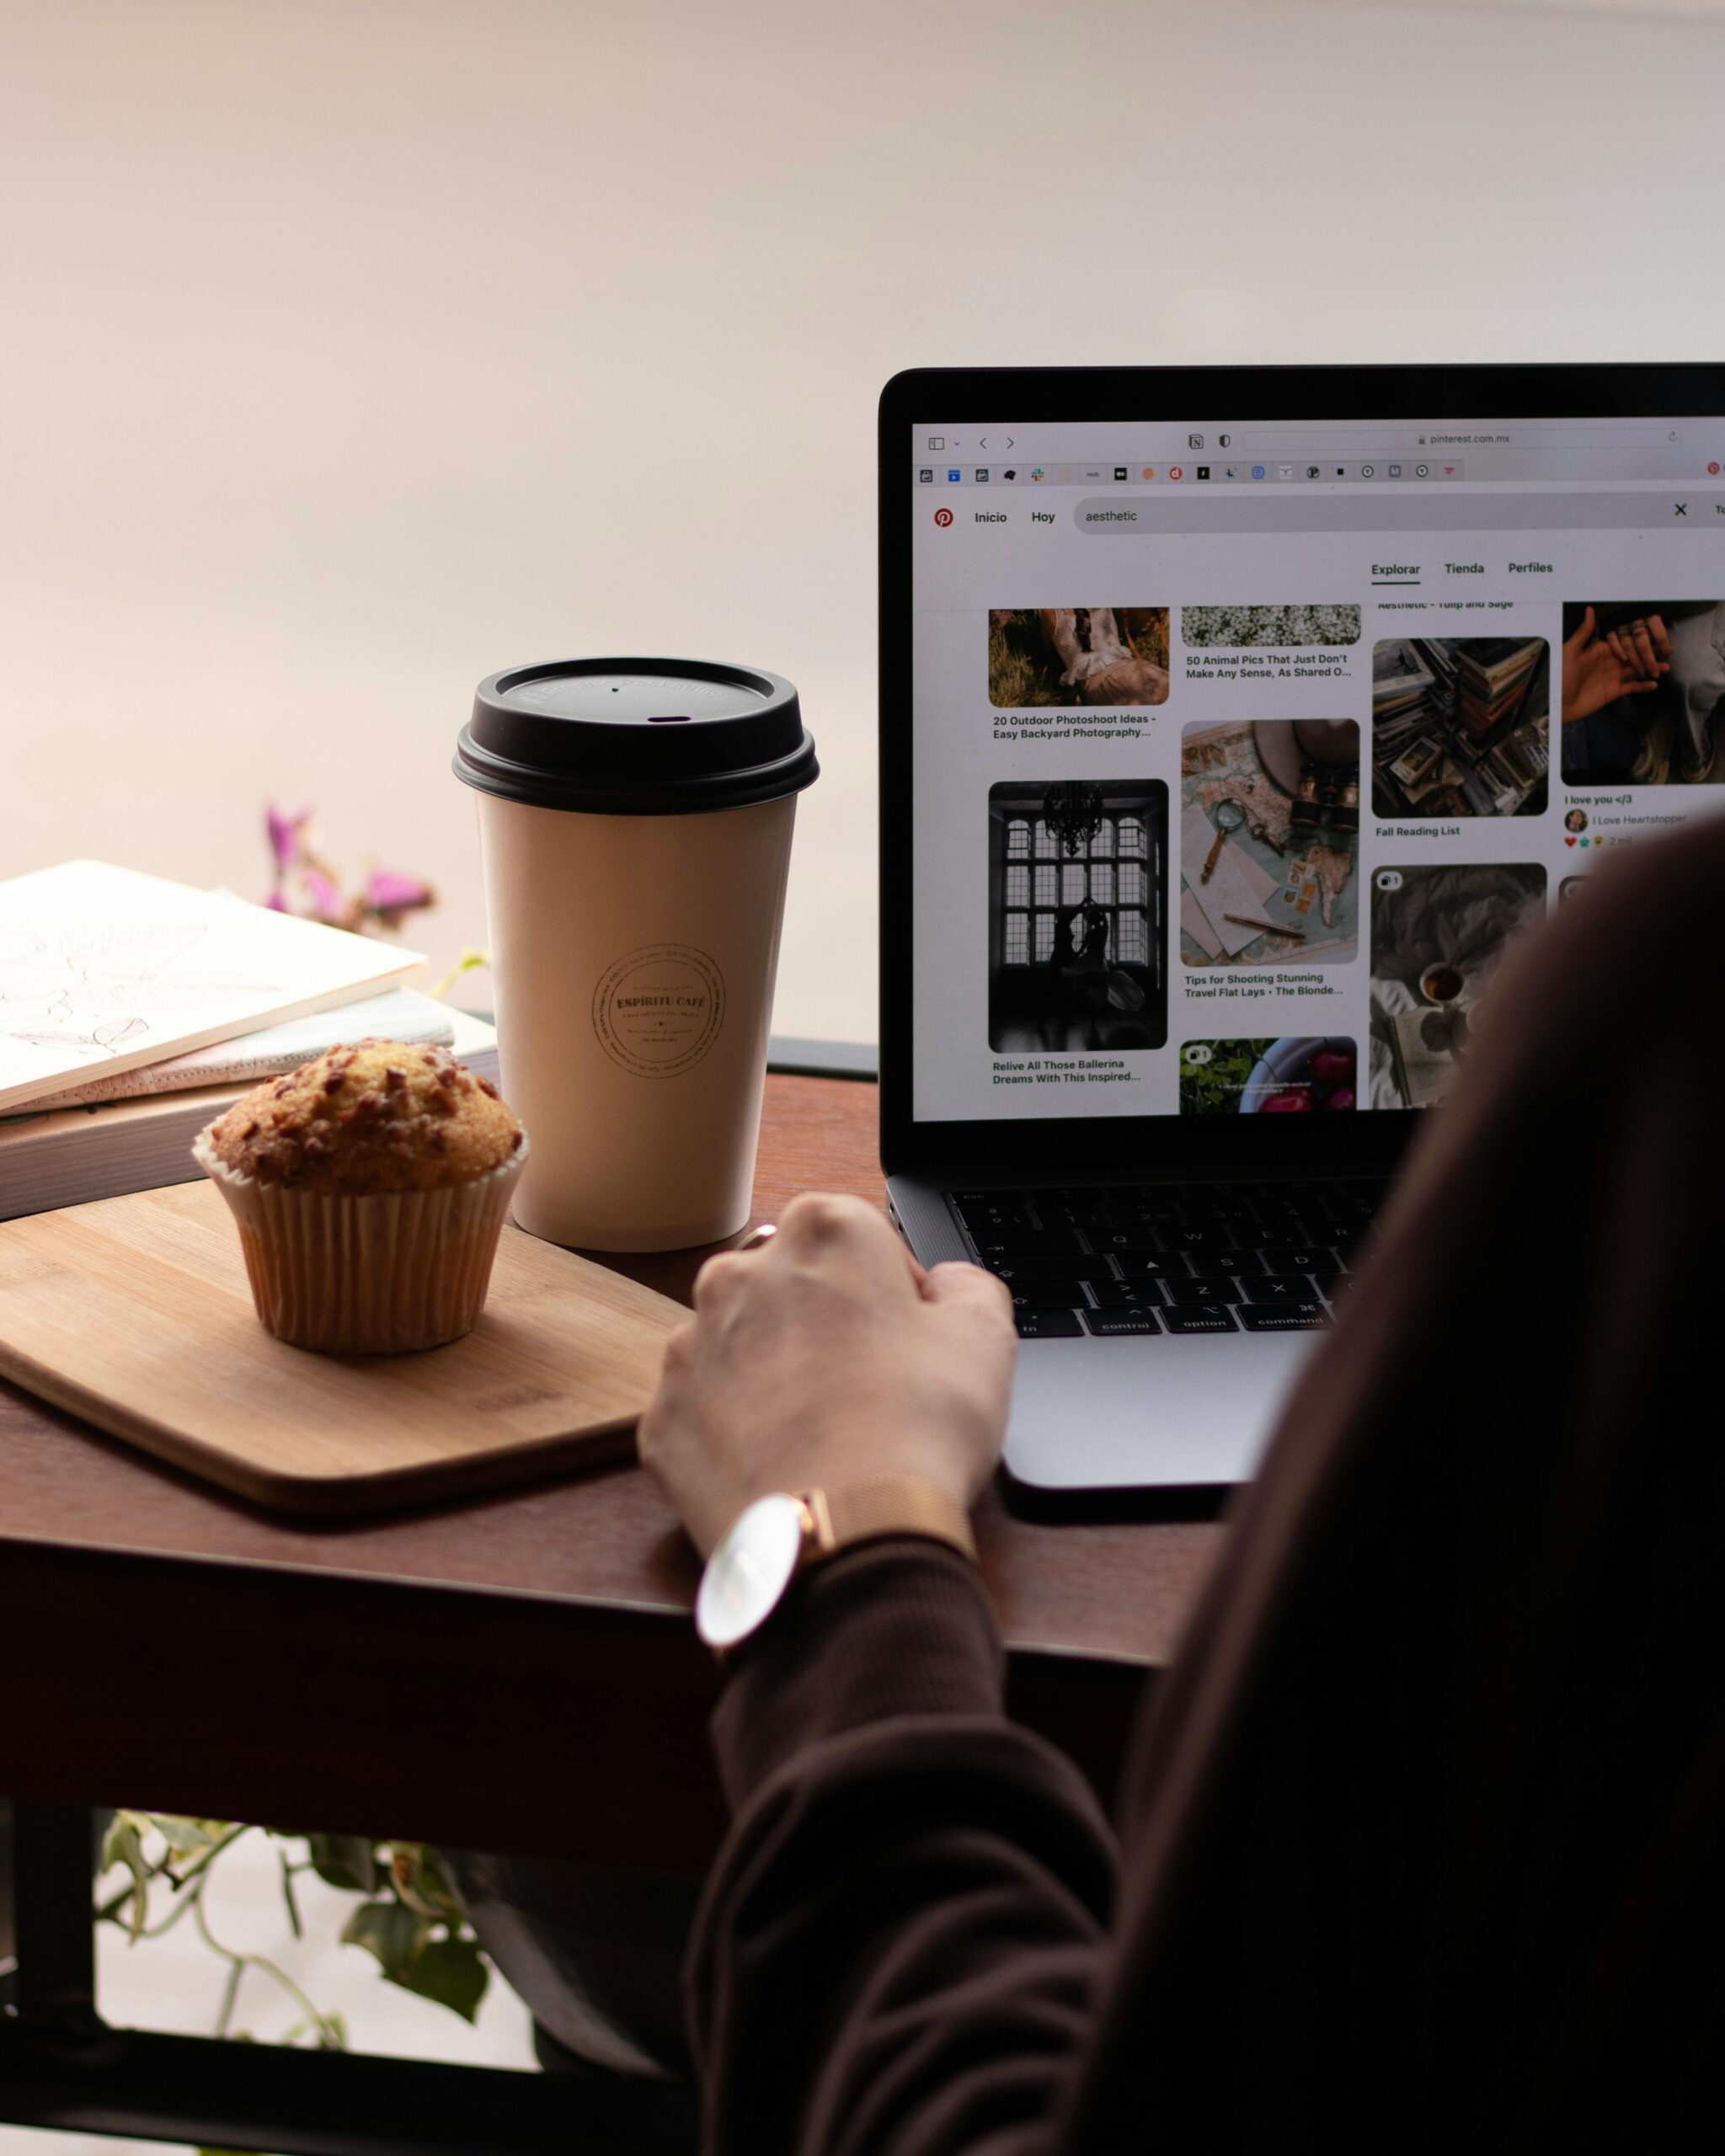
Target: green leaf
x=138 y=1823
x=394 y=1932
x=418 y=1878
x=330 y=2030
x=288 y=1896
x=123 y=1844
x=185 y=1837
x=466 y=963
x=452 y=1971
x=345 y=1860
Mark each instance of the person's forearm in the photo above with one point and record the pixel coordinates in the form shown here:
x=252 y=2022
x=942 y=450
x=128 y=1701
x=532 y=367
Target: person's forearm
x=897 y=1950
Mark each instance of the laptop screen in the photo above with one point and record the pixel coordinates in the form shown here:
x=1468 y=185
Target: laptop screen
x=1243 y=751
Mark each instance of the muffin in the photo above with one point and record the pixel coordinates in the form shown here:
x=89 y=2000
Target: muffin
x=370 y=1187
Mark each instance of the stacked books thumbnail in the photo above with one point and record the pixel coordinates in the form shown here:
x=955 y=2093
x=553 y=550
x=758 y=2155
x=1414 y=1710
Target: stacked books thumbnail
x=1521 y=760
x=133 y=1011
x=1492 y=673
x=1400 y=679
x=1422 y=771
x=1402 y=711
x=1410 y=745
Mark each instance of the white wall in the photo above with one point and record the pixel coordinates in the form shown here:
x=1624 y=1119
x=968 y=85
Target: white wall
x=353 y=347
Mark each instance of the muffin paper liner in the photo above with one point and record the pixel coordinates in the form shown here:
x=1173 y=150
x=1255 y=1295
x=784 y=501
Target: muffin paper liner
x=377 y=1275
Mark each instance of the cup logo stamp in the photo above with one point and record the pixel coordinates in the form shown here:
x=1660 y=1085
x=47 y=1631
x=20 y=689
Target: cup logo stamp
x=659 y=1009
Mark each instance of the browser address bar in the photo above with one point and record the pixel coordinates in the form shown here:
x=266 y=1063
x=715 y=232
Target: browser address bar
x=1461 y=431
x=1602 y=430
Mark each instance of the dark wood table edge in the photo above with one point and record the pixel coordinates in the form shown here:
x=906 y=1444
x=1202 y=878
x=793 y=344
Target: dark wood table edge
x=667 y=1615
x=88 y=1693
x=200 y=1694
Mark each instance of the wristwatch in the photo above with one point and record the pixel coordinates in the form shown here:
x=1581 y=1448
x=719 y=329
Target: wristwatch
x=779 y=1536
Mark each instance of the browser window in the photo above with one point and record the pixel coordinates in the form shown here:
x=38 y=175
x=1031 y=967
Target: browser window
x=1224 y=733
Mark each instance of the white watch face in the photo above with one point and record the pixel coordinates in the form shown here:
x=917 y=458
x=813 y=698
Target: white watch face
x=750 y=1569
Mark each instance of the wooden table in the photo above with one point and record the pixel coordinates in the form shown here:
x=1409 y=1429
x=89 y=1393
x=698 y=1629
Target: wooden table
x=516 y=1673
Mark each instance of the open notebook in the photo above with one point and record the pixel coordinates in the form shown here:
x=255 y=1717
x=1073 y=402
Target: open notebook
x=103 y=969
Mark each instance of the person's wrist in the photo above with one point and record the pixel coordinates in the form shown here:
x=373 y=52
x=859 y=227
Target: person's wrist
x=899 y=1627
x=833 y=1459
x=868 y=1508
x=783 y=1534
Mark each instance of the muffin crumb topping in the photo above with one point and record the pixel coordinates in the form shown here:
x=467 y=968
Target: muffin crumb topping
x=369 y=1117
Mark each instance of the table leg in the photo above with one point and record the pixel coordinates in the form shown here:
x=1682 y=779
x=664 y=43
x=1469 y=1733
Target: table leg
x=54 y=1933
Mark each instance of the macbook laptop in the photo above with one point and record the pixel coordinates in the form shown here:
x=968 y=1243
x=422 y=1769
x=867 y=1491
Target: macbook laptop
x=1225 y=748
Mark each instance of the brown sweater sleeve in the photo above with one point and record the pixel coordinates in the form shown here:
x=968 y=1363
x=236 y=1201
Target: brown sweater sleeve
x=899 y=1950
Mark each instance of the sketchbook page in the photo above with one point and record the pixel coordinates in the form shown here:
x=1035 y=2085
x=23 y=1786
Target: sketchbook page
x=103 y=969
x=397 y=1015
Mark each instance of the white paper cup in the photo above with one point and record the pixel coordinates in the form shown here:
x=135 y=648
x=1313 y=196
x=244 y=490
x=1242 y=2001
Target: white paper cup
x=635 y=822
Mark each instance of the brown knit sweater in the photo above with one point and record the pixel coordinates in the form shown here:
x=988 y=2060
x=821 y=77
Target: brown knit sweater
x=1424 y=1838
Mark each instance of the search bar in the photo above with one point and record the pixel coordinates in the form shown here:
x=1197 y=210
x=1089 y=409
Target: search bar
x=1359 y=510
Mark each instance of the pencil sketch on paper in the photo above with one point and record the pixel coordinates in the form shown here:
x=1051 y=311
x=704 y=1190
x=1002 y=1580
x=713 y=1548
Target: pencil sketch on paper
x=103 y=969
x=90 y=991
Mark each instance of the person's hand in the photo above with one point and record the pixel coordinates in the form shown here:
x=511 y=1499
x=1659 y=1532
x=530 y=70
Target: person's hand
x=1626 y=662
x=826 y=1356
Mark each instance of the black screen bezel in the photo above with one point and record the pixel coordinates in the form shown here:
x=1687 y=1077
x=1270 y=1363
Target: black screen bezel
x=1162 y=1146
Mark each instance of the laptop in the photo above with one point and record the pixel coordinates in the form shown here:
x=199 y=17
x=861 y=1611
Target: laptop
x=1224 y=753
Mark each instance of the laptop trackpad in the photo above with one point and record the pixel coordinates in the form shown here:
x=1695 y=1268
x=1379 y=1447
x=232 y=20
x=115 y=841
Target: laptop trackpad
x=1121 y=1414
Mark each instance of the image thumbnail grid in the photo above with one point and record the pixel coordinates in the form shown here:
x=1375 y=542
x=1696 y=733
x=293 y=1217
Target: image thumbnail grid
x=1040 y=655
x=1644 y=693
x=1304 y=1075
x=1460 y=726
x=1238 y=629
x=1077 y=902
x=1439 y=933
x=1269 y=824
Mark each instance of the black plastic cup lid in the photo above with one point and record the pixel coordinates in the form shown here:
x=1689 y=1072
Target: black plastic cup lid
x=636 y=737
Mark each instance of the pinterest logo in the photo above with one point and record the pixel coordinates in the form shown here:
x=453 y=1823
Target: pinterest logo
x=1713 y=471
x=942 y=517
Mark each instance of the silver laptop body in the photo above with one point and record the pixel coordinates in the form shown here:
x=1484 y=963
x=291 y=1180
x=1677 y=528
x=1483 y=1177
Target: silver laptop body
x=1220 y=756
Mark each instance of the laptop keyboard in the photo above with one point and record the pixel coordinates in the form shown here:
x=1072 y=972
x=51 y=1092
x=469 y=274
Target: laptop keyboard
x=1170 y=1258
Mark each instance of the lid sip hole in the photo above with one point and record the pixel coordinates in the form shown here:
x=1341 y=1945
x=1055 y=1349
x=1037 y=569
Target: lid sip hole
x=669 y=718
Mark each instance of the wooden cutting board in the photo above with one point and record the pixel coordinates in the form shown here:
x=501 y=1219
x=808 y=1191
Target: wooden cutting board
x=135 y=1314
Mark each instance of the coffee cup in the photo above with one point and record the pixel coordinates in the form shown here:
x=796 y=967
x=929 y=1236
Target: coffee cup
x=635 y=821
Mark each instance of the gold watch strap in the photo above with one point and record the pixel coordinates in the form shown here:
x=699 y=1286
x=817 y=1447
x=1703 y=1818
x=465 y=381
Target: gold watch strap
x=885 y=1505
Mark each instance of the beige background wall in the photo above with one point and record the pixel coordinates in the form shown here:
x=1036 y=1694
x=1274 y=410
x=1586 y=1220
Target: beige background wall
x=353 y=347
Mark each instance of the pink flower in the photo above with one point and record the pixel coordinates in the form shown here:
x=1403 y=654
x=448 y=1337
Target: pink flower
x=388 y=892
x=326 y=899
x=284 y=835
x=310 y=886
